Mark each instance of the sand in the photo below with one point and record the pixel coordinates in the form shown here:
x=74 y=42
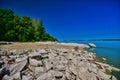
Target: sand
x=41 y=45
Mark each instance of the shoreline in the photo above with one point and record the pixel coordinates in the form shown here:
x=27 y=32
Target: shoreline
x=54 y=60
x=42 y=45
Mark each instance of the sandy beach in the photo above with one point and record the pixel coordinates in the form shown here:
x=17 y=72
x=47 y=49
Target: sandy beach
x=41 y=45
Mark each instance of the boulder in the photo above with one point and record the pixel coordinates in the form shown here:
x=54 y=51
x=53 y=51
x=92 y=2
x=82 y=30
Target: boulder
x=39 y=70
x=92 y=45
x=113 y=78
x=34 y=62
x=16 y=76
x=60 y=67
x=86 y=76
x=74 y=69
x=58 y=75
x=93 y=68
x=103 y=75
x=48 y=65
x=17 y=67
x=45 y=76
x=27 y=77
x=68 y=73
x=20 y=59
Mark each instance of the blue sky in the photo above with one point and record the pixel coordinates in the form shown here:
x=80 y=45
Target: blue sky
x=72 y=19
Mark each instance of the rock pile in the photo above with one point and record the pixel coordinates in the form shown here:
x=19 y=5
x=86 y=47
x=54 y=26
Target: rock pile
x=52 y=64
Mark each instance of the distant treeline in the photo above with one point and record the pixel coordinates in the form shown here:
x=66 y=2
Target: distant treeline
x=93 y=40
x=23 y=29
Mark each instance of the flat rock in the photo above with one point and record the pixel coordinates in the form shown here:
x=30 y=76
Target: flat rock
x=39 y=70
x=35 y=62
x=17 y=67
x=27 y=77
x=103 y=75
x=46 y=76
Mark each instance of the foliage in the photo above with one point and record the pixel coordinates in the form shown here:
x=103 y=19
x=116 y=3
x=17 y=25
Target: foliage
x=24 y=29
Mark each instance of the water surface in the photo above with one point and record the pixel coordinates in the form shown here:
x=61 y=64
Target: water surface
x=107 y=49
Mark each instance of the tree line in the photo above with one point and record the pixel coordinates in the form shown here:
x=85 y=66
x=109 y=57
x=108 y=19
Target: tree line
x=23 y=29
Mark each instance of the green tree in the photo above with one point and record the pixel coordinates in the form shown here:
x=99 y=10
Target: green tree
x=39 y=30
x=6 y=22
x=16 y=28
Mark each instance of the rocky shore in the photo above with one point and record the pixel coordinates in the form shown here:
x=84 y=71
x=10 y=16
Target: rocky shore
x=51 y=61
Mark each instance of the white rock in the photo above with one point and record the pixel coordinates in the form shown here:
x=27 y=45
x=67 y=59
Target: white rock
x=103 y=75
x=14 y=68
x=92 y=45
x=93 y=68
x=39 y=70
x=58 y=75
x=13 y=57
x=20 y=59
x=16 y=76
x=42 y=51
x=48 y=65
x=26 y=77
x=6 y=77
x=35 y=62
x=60 y=67
x=85 y=75
x=68 y=73
x=113 y=78
x=77 y=78
x=73 y=69
x=34 y=54
x=46 y=76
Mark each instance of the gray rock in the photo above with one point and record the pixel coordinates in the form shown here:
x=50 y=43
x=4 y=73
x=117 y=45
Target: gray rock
x=46 y=76
x=17 y=67
x=113 y=78
x=27 y=77
x=74 y=69
x=39 y=70
x=68 y=73
x=16 y=76
x=60 y=67
x=34 y=62
x=58 y=75
x=20 y=59
x=32 y=54
x=103 y=75
x=85 y=75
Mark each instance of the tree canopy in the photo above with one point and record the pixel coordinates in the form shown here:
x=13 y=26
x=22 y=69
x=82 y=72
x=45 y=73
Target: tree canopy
x=23 y=29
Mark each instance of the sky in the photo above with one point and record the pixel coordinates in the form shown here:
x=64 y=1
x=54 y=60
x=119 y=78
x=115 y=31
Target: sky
x=72 y=19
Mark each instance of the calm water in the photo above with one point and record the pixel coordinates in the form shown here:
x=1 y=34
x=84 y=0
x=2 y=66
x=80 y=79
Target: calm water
x=109 y=50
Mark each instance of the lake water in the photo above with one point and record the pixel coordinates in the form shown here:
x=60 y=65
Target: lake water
x=109 y=50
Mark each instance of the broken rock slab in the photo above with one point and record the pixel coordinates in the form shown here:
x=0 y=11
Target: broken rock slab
x=45 y=76
x=34 y=62
x=27 y=77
